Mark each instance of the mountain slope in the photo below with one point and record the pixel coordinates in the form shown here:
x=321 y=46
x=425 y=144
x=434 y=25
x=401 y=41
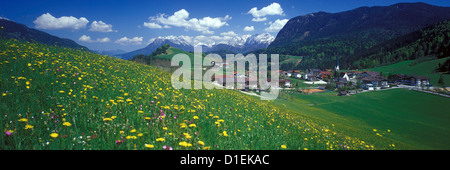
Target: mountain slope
x=154 y=45
x=19 y=31
x=320 y=37
x=431 y=42
x=379 y=23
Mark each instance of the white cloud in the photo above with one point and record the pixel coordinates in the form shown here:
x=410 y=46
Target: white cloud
x=259 y=15
x=229 y=33
x=249 y=28
x=47 y=21
x=277 y=25
x=152 y=25
x=106 y=39
x=129 y=41
x=181 y=19
x=86 y=38
x=100 y=26
x=259 y=19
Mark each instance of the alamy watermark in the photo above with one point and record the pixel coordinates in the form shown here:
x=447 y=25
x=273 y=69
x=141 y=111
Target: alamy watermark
x=238 y=78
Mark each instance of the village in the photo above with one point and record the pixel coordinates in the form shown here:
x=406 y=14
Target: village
x=344 y=82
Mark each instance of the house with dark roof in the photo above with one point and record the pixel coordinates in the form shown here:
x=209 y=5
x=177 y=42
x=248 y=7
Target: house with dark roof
x=376 y=81
x=409 y=80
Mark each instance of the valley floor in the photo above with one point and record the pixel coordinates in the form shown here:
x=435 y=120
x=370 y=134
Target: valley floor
x=411 y=119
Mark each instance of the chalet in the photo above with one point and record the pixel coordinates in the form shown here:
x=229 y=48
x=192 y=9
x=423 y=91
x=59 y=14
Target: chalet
x=409 y=80
x=400 y=79
x=376 y=81
x=289 y=73
x=305 y=76
x=284 y=83
x=420 y=81
x=297 y=74
x=313 y=74
x=325 y=74
x=314 y=71
x=341 y=82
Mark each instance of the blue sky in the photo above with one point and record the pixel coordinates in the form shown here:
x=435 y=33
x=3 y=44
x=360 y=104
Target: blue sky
x=130 y=25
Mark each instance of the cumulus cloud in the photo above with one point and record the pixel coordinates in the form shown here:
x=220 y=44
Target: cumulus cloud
x=100 y=26
x=249 y=28
x=181 y=19
x=129 y=41
x=259 y=15
x=152 y=25
x=47 y=21
x=229 y=33
x=277 y=25
x=259 y=19
x=86 y=38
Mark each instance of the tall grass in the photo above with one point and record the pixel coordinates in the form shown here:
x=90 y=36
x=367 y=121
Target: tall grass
x=59 y=98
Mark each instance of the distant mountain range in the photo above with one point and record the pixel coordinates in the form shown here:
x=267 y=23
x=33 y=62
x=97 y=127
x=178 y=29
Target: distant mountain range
x=378 y=23
x=237 y=44
x=18 y=31
x=320 y=37
x=113 y=53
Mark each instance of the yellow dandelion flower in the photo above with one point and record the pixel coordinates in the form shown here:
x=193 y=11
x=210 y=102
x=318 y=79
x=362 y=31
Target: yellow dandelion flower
x=149 y=146
x=192 y=125
x=133 y=130
x=160 y=140
x=67 y=124
x=283 y=146
x=201 y=143
x=54 y=135
x=225 y=133
x=183 y=144
x=28 y=127
x=107 y=119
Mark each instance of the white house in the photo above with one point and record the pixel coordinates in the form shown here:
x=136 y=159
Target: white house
x=346 y=77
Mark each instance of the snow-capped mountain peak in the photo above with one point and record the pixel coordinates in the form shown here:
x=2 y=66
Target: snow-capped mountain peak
x=264 y=38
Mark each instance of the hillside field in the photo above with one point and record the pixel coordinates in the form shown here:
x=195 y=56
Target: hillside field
x=413 y=67
x=410 y=119
x=60 y=98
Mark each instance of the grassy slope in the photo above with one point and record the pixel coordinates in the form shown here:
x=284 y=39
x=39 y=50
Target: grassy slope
x=55 y=98
x=421 y=69
x=416 y=120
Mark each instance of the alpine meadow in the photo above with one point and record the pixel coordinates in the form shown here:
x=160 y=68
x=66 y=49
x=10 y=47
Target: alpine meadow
x=365 y=75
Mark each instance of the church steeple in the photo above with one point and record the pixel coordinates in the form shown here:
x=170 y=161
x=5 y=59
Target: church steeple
x=337 y=64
